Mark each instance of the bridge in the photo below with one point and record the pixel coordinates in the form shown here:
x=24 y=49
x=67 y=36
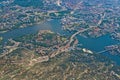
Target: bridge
x=64 y=48
x=107 y=50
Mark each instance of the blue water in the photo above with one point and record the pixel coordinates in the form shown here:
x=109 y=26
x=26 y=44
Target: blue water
x=94 y=44
x=98 y=44
x=53 y=25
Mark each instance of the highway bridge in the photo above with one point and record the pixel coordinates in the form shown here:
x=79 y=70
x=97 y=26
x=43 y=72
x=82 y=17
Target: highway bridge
x=107 y=50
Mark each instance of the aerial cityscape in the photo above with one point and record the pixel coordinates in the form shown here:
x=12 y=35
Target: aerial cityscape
x=59 y=39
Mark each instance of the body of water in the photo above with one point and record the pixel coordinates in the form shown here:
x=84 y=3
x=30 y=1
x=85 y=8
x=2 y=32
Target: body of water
x=98 y=44
x=53 y=25
x=94 y=44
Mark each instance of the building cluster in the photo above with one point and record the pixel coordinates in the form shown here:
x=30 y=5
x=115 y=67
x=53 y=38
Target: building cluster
x=113 y=49
x=15 y=16
x=105 y=19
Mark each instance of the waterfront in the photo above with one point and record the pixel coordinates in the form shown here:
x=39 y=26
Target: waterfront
x=94 y=44
x=98 y=44
x=53 y=25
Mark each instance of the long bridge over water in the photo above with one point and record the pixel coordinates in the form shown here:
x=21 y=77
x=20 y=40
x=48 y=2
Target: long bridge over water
x=100 y=52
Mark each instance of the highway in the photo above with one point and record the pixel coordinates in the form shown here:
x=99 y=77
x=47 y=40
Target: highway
x=65 y=48
x=100 y=21
x=80 y=31
x=10 y=49
x=106 y=50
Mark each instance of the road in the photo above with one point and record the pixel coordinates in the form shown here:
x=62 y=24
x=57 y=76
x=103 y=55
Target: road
x=100 y=21
x=10 y=49
x=80 y=31
x=106 y=50
x=65 y=48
